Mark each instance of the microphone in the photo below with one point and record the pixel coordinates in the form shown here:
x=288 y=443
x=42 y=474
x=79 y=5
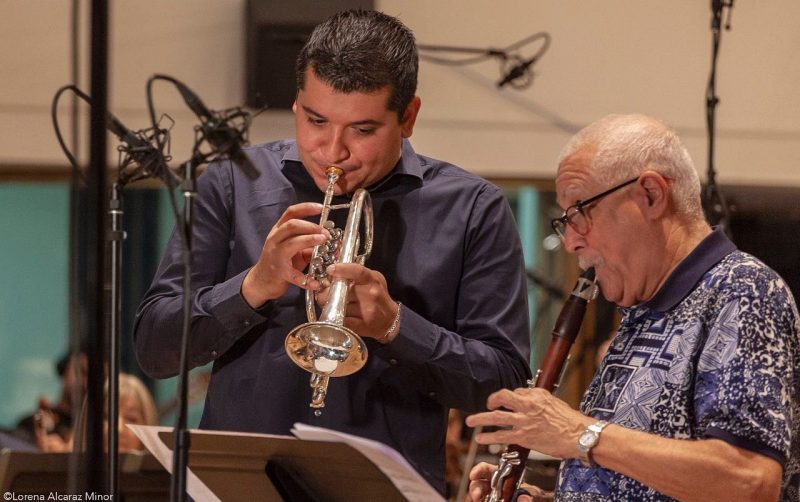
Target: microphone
x=220 y=134
x=716 y=13
x=139 y=149
x=123 y=133
x=517 y=71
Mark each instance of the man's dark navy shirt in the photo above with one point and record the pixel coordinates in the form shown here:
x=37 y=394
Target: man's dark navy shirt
x=447 y=244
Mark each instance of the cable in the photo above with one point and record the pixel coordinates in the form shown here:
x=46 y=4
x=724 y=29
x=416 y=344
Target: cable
x=515 y=70
x=54 y=117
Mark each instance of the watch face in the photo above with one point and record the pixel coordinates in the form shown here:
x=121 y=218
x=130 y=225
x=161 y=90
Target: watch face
x=587 y=440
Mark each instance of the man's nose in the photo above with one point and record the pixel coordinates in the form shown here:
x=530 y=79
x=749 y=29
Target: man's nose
x=573 y=241
x=336 y=150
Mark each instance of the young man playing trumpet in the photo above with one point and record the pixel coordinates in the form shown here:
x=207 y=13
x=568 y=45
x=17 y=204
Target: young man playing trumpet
x=440 y=303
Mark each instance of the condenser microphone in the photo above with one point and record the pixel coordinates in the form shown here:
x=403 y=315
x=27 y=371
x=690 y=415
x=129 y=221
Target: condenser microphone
x=224 y=137
x=516 y=71
x=123 y=133
x=139 y=149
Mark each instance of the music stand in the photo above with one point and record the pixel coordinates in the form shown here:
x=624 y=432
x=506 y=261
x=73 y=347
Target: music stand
x=142 y=479
x=231 y=466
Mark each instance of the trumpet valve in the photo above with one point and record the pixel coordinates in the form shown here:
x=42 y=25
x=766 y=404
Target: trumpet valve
x=319 y=390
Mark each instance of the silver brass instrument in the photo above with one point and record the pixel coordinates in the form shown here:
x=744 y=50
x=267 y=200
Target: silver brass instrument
x=325 y=347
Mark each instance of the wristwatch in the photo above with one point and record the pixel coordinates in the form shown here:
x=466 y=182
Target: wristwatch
x=588 y=440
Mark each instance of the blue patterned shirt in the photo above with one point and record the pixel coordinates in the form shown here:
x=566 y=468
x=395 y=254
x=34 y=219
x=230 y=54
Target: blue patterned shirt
x=713 y=355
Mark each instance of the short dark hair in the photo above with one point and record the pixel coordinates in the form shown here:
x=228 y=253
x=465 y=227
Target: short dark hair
x=363 y=51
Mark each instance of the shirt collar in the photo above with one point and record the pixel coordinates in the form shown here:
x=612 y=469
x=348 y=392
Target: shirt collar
x=690 y=270
x=408 y=165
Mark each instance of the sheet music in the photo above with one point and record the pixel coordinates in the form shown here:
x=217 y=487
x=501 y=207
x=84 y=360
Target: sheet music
x=148 y=435
x=388 y=460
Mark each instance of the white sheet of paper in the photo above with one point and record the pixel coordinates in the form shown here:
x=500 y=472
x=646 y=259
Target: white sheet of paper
x=387 y=459
x=148 y=435
x=194 y=486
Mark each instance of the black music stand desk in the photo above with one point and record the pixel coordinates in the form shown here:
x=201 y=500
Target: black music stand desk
x=323 y=466
x=141 y=476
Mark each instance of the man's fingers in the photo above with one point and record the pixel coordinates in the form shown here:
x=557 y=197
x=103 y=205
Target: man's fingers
x=358 y=274
x=515 y=400
x=293 y=228
x=501 y=436
x=301 y=280
x=479 y=478
x=299 y=211
x=483 y=470
x=296 y=245
x=478 y=490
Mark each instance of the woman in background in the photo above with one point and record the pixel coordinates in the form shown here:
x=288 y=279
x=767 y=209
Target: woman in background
x=136 y=407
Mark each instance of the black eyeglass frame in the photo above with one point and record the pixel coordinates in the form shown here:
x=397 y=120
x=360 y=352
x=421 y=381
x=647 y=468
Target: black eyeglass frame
x=559 y=225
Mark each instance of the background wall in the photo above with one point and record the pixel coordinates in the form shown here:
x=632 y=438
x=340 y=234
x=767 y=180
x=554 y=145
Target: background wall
x=610 y=56
x=33 y=307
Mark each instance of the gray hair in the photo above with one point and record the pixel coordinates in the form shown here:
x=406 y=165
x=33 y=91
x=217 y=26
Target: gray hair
x=624 y=146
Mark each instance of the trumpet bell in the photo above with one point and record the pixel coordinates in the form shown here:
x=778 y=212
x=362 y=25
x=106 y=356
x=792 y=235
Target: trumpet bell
x=326 y=349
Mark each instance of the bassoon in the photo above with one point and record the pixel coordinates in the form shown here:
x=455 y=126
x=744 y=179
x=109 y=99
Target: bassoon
x=506 y=479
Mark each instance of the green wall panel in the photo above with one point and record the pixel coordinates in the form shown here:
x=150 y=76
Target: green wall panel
x=34 y=324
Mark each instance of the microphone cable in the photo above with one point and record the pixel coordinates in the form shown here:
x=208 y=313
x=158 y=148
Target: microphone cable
x=512 y=67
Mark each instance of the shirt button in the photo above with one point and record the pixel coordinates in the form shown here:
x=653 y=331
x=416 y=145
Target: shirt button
x=214 y=354
x=431 y=394
x=246 y=323
x=393 y=361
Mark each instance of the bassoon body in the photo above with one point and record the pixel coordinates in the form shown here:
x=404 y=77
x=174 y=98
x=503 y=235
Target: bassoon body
x=507 y=477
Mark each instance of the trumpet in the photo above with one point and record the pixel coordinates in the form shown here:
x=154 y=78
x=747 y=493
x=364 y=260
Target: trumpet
x=325 y=347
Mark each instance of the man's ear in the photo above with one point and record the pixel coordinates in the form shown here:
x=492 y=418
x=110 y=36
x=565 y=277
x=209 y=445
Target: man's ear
x=654 y=192
x=410 y=117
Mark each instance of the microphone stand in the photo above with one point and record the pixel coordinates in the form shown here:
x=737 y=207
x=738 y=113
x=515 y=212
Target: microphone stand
x=115 y=237
x=145 y=168
x=223 y=135
x=95 y=214
x=147 y=162
x=714 y=204
x=181 y=439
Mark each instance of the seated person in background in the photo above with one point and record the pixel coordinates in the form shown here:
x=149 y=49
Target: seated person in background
x=440 y=303
x=56 y=419
x=698 y=396
x=136 y=406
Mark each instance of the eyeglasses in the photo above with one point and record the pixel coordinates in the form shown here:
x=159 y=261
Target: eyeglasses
x=577 y=218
